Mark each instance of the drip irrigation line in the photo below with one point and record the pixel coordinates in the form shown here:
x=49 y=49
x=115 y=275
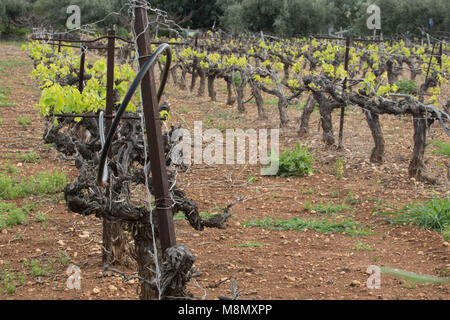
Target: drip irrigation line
x=145 y=68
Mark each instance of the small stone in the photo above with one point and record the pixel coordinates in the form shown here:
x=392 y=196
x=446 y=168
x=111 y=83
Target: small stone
x=84 y=234
x=112 y=288
x=292 y=279
x=95 y=290
x=355 y=283
x=420 y=253
x=61 y=243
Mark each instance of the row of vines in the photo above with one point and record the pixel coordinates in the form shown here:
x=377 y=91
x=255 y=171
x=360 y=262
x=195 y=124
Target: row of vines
x=332 y=75
x=395 y=78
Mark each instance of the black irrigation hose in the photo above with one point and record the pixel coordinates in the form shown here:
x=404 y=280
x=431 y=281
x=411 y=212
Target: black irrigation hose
x=126 y=100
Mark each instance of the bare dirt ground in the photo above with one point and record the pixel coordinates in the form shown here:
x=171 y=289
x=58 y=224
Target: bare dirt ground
x=268 y=264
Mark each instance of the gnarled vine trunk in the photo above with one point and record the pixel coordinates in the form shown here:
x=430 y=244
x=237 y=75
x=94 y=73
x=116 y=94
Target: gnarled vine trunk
x=373 y=120
x=327 y=124
x=240 y=95
x=211 y=90
x=306 y=115
x=417 y=165
x=256 y=91
x=202 y=86
x=282 y=109
x=230 y=95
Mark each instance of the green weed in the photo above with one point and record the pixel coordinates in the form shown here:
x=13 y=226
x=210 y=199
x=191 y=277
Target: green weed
x=30 y=157
x=43 y=183
x=308 y=191
x=297 y=162
x=250 y=245
x=40 y=217
x=322 y=226
x=326 y=208
x=433 y=214
x=39 y=271
x=407 y=87
x=11 y=215
x=359 y=246
x=10 y=280
x=24 y=121
x=339 y=168
x=442 y=148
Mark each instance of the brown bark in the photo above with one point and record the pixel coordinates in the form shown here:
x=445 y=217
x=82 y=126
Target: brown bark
x=115 y=244
x=211 y=90
x=240 y=96
x=202 y=86
x=304 y=119
x=230 y=96
x=417 y=165
x=182 y=82
x=373 y=120
x=256 y=91
x=282 y=108
x=194 y=73
x=143 y=239
x=327 y=124
x=174 y=74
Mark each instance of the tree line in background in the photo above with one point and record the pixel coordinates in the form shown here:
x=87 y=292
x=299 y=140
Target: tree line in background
x=285 y=18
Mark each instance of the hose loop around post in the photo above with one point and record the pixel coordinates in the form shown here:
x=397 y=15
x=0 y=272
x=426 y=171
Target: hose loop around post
x=126 y=100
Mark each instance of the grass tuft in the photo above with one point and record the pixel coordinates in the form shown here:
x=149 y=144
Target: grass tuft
x=322 y=226
x=442 y=148
x=327 y=208
x=30 y=157
x=11 y=215
x=24 y=121
x=297 y=162
x=43 y=183
x=431 y=215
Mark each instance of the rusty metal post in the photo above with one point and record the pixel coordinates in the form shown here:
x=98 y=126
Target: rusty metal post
x=429 y=63
x=110 y=78
x=82 y=63
x=344 y=88
x=154 y=137
x=59 y=44
x=109 y=229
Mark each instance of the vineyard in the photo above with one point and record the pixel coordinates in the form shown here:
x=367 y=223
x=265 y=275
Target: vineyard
x=91 y=176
